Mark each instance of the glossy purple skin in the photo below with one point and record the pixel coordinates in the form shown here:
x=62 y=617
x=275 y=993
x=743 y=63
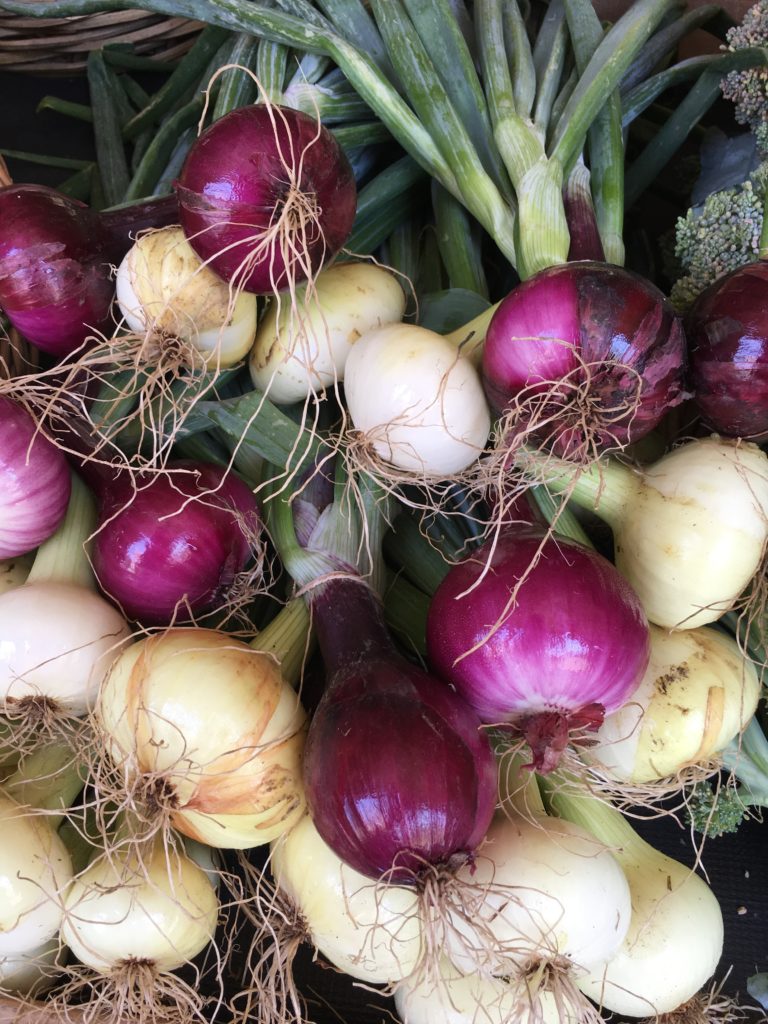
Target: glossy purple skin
x=727 y=331
x=161 y=556
x=234 y=181
x=576 y=636
x=34 y=482
x=615 y=321
x=397 y=770
x=55 y=278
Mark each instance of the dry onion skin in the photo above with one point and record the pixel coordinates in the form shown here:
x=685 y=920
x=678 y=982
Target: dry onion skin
x=165 y=290
x=206 y=729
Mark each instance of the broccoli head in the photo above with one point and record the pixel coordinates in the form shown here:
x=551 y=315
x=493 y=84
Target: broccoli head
x=748 y=90
x=718 y=236
x=715 y=811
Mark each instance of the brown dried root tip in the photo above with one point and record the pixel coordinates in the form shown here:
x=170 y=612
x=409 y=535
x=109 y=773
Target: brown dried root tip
x=708 y=1007
x=37 y=721
x=270 y=994
x=548 y=991
x=135 y=992
x=549 y=732
x=420 y=492
x=665 y=797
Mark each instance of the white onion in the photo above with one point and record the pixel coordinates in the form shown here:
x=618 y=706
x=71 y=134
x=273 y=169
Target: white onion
x=57 y=640
x=416 y=401
x=553 y=891
x=35 y=870
x=154 y=906
x=163 y=287
x=215 y=720
x=369 y=930
x=472 y=999
x=697 y=694
x=303 y=342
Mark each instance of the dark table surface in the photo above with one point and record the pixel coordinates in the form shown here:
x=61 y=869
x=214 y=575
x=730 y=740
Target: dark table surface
x=736 y=866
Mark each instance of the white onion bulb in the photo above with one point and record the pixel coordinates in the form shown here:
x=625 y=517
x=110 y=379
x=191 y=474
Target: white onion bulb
x=456 y=998
x=163 y=287
x=35 y=870
x=303 y=342
x=155 y=906
x=368 y=930
x=215 y=720
x=416 y=401
x=553 y=891
x=57 y=641
x=697 y=694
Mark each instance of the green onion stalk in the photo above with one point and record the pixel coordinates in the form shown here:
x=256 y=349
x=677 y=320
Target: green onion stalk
x=502 y=143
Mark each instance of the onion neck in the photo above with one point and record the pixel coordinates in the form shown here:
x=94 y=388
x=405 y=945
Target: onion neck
x=605 y=488
x=565 y=799
x=288 y=638
x=470 y=337
x=63 y=558
x=585 y=243
x=350 y=624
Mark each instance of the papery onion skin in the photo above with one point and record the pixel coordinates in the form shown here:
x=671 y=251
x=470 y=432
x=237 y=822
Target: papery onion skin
x=172 y=547
x=163 y=289
x=594 y=315
x=55 y=276
x=577 y=636
x=397 y=772
x=727 y=331
x=216 y=721
x=235 y=181
x=34 y=482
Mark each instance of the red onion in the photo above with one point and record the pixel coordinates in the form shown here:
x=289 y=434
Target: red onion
x=397 y=771
x=727 y=331
x=266 y=196
x=34 y=482
x=169 y=545
x=592 y=327
x=574 y=646
x=55 y=279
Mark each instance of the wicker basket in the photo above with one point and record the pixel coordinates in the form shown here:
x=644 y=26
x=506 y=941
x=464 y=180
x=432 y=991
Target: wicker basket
x=61 y=45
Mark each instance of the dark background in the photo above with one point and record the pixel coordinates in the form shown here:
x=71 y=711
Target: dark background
x=736 y=865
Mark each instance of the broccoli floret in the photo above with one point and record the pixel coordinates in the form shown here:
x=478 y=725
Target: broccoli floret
x=719 y=236
x=748 y=90
x=713 y=812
